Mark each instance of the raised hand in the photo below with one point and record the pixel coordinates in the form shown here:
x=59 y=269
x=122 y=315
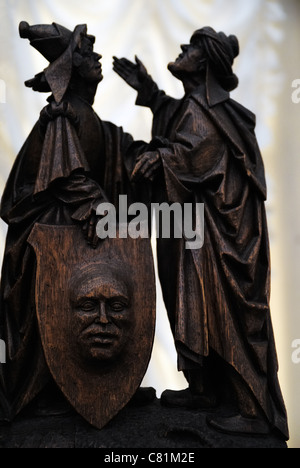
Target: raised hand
x=133 y=73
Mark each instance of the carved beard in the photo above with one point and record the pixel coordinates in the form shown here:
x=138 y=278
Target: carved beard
x=181 y=73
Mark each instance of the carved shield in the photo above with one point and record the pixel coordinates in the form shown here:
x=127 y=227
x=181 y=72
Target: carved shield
x=96 y=316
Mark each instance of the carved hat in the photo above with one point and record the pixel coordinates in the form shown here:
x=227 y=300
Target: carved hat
x=57 y=44
x=221 y=51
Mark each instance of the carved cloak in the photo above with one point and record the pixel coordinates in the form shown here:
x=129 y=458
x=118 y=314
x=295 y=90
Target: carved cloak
x=57 y=177
x=217 y=297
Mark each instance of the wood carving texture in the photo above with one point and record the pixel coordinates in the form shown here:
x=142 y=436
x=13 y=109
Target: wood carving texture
x=98 y=388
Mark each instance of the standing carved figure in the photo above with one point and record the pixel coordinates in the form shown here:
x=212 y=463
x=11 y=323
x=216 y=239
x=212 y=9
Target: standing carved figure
x=71 y=162
x=217 y=297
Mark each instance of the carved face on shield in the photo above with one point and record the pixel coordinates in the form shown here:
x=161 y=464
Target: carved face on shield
x=101 y=311
x=96 y=318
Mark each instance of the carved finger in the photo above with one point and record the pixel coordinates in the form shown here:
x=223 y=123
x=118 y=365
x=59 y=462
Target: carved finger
x=135 y=176
x=146 y=166
x=138 y=169
x=91 y=229
x=150 y=170
x=122 y=72
x=95 y=240
x=139 y=158
x=140 y=173
x=140 y=65
x=124 y=69
x=90 y=235
x=124 y=64
x=127 y=62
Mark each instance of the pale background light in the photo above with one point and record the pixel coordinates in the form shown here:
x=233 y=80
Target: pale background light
x=269 y=35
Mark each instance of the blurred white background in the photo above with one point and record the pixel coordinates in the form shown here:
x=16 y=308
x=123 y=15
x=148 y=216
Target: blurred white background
x=269 y=62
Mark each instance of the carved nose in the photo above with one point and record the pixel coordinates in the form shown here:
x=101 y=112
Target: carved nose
x=102 y=315
x=184 y=47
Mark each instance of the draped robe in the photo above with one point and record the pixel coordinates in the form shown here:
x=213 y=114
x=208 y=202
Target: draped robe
x=217 y=297
x=58 y=177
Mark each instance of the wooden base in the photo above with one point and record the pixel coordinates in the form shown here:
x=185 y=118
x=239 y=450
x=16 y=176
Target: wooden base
x=148 y=426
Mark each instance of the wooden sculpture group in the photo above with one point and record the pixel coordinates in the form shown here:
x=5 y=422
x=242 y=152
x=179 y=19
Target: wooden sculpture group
x=78 y=312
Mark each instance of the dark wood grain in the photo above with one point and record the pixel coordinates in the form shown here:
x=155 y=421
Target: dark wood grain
x=97 y=386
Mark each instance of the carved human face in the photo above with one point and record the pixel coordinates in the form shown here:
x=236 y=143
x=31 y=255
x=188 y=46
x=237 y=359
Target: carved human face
x=87 y=62
x=189 y=61
x=101 y=312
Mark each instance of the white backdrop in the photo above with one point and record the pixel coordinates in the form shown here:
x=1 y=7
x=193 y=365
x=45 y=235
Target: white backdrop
x=268 y=31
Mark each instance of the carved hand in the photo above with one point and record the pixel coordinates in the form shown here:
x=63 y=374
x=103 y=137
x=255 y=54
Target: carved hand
x=88 y=218
x=89 y=225
x=133 y=73
x=146 y=166
x=89 y=230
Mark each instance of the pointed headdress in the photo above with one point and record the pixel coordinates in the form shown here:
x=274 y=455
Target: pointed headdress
x=57 y=44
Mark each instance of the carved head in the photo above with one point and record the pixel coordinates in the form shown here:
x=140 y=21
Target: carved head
x=102 y=316
x=66 y=51
x=86 y=61
x=209 y=49
x=191 y=61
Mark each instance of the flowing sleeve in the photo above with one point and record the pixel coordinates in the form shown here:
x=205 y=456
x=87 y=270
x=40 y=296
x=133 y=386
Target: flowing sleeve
x=194 y=150
x=151 y=96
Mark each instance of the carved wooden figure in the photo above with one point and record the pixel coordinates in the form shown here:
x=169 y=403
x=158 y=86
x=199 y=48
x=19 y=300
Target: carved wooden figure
x=56 y=282
x=75 y=310
x=217 y=297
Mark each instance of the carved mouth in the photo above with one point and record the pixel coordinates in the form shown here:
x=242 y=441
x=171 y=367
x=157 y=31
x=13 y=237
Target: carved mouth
x=101 y=338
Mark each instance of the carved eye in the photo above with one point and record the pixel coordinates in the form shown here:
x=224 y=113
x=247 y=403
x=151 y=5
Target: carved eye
x=118 y=305
x=88 y=305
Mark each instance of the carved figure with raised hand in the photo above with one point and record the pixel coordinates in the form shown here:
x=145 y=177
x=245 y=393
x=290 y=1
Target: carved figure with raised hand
x=217 y=297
